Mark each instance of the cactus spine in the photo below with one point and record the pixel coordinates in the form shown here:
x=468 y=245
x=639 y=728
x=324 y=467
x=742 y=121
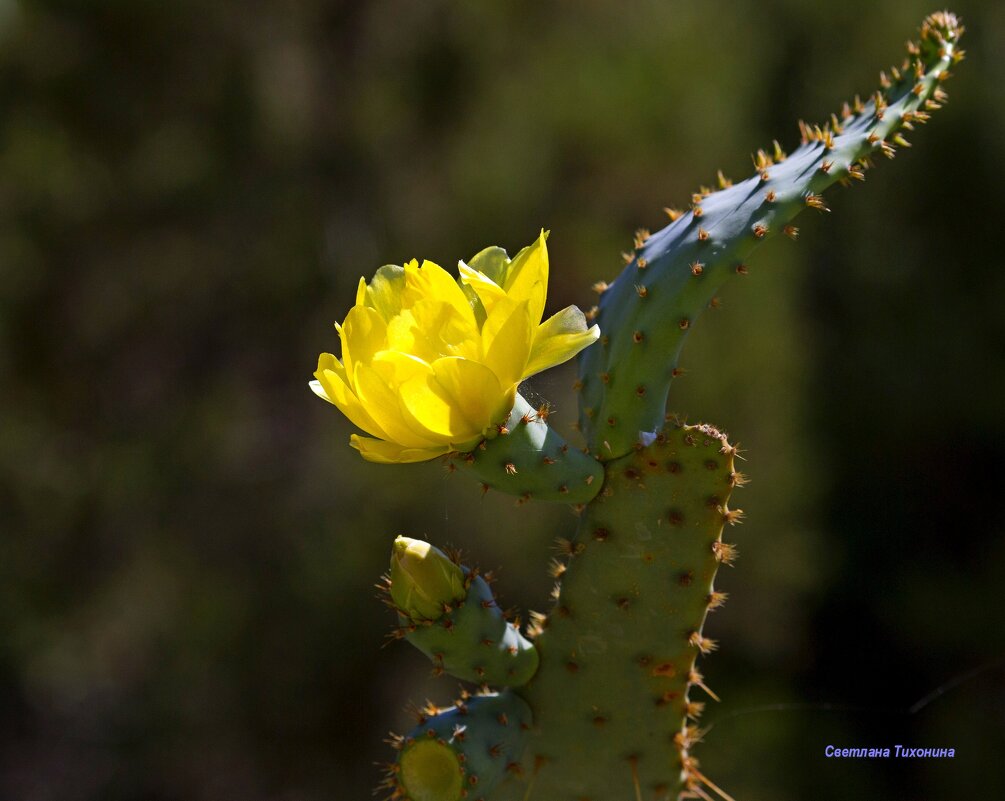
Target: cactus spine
x=608 y=713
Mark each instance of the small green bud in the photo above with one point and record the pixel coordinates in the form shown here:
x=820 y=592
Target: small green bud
x=424 y=579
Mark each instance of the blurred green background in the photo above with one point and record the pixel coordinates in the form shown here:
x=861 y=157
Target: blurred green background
x=189 y=193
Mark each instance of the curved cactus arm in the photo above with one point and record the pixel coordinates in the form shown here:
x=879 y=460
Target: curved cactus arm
x=461 y=752
x=448 y=612
x=530 y=460
x=647 y=312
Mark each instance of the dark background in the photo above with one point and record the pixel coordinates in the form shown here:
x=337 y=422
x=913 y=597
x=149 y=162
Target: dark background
x=189 y=193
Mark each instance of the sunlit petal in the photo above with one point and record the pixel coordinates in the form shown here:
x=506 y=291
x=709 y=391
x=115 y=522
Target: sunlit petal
x=384 y=404
x=527 y=276
x=330 y=384
x=558 y=339
x=363 y=333
x=506 y=340
x=377 y=450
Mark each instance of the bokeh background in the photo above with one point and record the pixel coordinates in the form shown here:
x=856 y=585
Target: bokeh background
x=189 y=193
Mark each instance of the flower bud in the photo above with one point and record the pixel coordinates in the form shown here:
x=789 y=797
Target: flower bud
x=423 y=579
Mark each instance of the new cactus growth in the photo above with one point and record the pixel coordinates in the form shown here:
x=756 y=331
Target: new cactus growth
x=449 y=614
x=602 y=706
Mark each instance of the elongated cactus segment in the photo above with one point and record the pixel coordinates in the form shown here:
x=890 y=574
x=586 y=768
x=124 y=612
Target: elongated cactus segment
x=530 y=460
x=618 y=649
x=448 y=612
x=647 y=312
x=461 y=752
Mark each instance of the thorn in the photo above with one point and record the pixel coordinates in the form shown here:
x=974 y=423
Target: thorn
x=732 y=516
x=791 y=232
x=825 y=166
x=510 y=469
x=815 y=201
x=633 y=762
x=779 y=154
x=725 y=552
x=697 y=211
x=695 y=678
x=697 y=268
x=760 y=230
x=741 y=269
x=641 y=235
x=641 y=263
x=724 y=182
x=641 y=290
x=600 y=287
x=693 y=709
x=703 y=644
x=702 y=234
x=683 y=323
x=770 y=196
x=627 y=257
x=672 y=213
x=716 y=599
x=637 y=337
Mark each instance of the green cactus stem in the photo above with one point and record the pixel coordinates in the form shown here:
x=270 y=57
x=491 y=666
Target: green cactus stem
x=674 y=274
x=615 y=702
x=614 y=696
x=530 y=460
x=467 y=635
x=461 y=752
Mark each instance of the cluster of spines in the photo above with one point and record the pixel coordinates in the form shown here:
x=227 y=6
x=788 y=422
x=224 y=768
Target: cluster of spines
x=528 y=459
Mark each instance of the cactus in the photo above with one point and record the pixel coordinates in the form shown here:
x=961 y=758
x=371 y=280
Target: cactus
x=602 y=706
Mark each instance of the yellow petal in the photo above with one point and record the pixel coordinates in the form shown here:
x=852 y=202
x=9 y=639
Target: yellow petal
x=456 y=402
x=331 y=385
x=527 y=276
x=506 y=340
x=431 y=329
x=492 y=262
x=558 y=339
x=432 y=282
x=384 y=405
x=376 y=450
x=385 y=291
x=363 y=333
x=475 y=394
x=488 y=291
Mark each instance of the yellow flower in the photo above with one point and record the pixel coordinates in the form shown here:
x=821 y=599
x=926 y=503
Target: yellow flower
x=431 y=364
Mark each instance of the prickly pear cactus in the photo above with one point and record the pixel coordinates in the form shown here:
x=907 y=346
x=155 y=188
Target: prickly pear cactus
x=598 y=699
